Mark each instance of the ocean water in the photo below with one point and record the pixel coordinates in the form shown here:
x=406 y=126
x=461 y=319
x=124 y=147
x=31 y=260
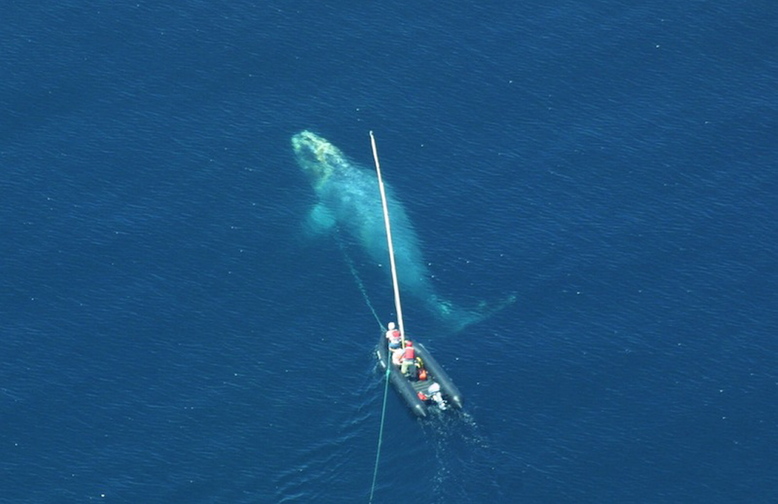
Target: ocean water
x=169 y=333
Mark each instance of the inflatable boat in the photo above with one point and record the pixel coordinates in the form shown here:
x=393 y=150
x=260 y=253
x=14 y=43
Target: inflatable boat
x=425 y=386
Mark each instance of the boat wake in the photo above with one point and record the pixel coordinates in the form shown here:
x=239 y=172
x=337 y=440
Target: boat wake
x=461 y=450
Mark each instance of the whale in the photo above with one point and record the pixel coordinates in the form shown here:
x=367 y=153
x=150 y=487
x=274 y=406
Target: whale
x=349 y=201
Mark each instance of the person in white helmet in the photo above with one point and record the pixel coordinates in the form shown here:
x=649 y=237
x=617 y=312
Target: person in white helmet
x=393 y=337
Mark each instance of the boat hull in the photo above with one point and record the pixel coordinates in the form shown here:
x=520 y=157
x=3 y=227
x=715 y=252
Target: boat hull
x=409 y=389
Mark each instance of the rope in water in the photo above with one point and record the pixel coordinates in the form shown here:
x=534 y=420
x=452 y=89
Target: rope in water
x=362 y=289
x=397 y=305
x=358 y=279
x=380 y=433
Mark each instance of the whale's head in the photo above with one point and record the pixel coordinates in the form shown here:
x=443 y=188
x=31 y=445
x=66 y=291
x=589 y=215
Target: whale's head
x=316 y=156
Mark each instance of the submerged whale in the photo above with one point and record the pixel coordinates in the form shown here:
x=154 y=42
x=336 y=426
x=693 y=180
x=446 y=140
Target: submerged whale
x=349 y=198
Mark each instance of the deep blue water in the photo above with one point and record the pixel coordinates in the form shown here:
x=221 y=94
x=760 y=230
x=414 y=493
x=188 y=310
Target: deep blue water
x=169 y=334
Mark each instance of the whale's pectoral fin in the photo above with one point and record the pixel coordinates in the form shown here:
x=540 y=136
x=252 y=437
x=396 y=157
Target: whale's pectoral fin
x=320 y=220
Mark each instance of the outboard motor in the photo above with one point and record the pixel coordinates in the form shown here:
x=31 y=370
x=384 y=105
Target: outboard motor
x=435 y=395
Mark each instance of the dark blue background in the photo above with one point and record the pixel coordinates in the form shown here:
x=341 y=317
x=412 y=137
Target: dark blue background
x=169 y=334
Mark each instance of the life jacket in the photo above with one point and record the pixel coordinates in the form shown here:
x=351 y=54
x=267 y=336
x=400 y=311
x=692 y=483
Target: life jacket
x=409 y=354
x=394 y=336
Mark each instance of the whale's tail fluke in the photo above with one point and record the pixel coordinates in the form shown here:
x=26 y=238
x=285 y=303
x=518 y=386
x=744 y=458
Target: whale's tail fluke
x=456 y=319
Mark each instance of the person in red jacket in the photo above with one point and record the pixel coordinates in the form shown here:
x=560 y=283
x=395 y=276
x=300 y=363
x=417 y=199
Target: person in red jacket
x=408 y=357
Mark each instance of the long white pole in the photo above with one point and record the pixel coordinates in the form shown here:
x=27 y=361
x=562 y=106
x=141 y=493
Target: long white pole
x=395 y=284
